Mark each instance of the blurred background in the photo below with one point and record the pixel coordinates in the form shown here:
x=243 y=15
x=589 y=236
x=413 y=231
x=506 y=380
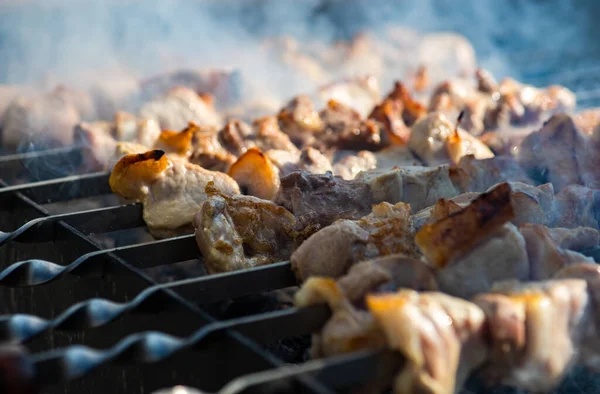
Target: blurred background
x=49 y=40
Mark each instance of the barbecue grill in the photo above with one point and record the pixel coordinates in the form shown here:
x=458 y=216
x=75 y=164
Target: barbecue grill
x=97 y=320
x=90 y=303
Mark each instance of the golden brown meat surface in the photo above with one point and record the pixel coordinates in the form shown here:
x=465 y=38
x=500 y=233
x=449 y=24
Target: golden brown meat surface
x=332 y=250
x=171 y=190
x=237 y=232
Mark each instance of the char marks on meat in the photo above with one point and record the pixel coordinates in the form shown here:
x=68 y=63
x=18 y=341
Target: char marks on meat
x=238 y=232
x=332 y=250
x=323 y=198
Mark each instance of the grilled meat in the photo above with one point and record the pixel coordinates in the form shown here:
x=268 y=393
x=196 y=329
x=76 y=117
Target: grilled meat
x=434 y=140
x=441 y=337
x=322 y=198
x=300 y=121
x=351 y=165
x=237 y=232
x=44 y=120
x=255 y=174
x=359 y=93
x=171 y=190
x=535 y=330
x=349 y=329
x=332 y=250
x=179 y=106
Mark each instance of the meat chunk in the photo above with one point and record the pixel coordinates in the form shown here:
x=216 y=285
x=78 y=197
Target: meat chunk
x=315 y=162
x=443 y=241
x=332 y=250
x=534 y=330
x=242 y=232
x=322 y=199
x=300 y=120
x=255 y=174
x=171 y=190
x=386 y=274
x=434 y=140
x=471 y=175
x=501 y=256
x=349 y=329
x=44 y=120
x=207 y=150
x=577 y=206
x=179 y=106
x=441 y=337
x=546 y=257
x=418 y=186
x=351 y=165
x=359 y=93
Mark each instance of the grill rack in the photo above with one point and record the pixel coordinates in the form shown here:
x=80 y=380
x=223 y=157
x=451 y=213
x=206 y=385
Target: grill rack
x=62 y=290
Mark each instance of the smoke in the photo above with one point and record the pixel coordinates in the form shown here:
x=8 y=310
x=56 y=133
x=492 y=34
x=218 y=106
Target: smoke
x=43 y=42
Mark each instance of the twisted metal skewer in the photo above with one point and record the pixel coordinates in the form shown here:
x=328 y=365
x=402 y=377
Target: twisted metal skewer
x=98 y=312
x=150 y=347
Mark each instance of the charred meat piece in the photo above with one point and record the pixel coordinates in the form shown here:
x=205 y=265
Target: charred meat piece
x=255 y=174
x=300 y=121
x=322 y=198
x=441 y=337
x=502 y=255
x=171 y=190
x=179 y=106
x=315 y=162
x=242 y=232
x=332 y=250
x=207 y=150
x=443 y=241
x=534 y=330
x=389 y=114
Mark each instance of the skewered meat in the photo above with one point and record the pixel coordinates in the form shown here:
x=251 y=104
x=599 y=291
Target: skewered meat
x=386 y=274
x=207 y=151
x=46 y=119
x=179 y=106
x=314 y=162
x=351 y=165
x=170 y=189
x=441 y=337
x=332 y=250
x=472 y=175
x=577 y=206
x=555 y=152
x=268 y=135
x=534 y=330
x=322 y=198
x=359 y=93
x=300 y=120
x=546 y=256
x=449 y=238
x=434 y=140
x=243 y=231
x=255 y=174
x=348 y=329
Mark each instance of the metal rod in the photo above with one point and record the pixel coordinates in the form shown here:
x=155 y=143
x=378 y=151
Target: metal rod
x=150 y=347
x=93 y=221
x=62 y=189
